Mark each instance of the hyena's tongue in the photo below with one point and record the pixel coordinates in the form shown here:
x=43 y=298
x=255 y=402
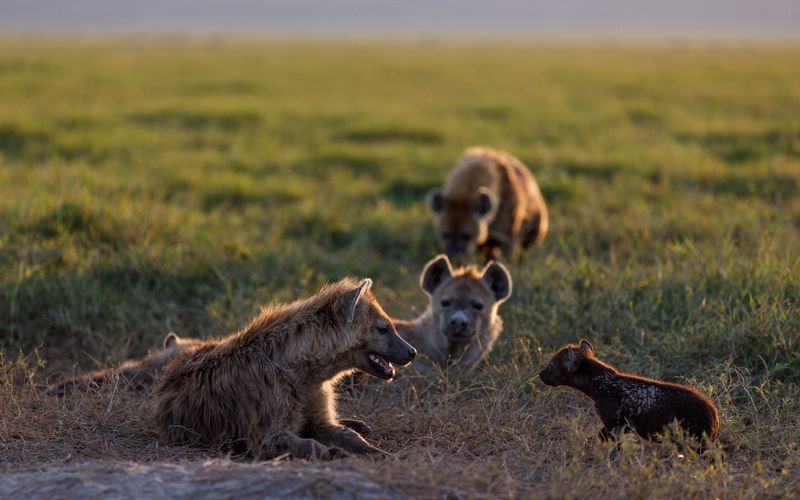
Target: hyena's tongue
x=387 y=367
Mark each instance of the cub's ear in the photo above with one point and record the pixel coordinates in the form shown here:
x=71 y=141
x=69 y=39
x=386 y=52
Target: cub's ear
x=484 y=206
x=498 y=279
x=586 y=348
x=436 y=272
x=436 y=201
x=352 y=298
x=170 y=339
x=571 y=361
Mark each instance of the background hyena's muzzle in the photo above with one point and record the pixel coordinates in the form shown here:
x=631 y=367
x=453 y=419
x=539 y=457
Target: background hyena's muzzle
x=456 y=250
x=458 y=325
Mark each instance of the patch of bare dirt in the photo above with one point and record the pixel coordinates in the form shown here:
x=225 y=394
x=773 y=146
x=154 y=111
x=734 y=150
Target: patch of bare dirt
x=208 y=479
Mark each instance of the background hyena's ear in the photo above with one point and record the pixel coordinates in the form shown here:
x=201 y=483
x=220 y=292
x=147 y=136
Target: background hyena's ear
x=586 y=348
x=351 y=301
x=436 y=272
x=435 y=201
x=498 y=279
x=170 y=339
x=484 y=206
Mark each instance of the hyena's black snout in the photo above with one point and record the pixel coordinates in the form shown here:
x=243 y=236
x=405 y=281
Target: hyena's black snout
x=459 y=326
x=402 y=353
x=459 y=321
x=546 y=377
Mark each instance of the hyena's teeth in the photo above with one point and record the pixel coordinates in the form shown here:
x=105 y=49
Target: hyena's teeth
x=385 y=365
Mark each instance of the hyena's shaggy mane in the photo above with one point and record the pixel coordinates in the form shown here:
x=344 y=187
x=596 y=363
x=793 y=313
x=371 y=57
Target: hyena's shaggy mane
x=316 y=324
x=470 y=271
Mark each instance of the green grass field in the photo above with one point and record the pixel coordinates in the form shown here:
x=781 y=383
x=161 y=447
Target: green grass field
x=149 y=185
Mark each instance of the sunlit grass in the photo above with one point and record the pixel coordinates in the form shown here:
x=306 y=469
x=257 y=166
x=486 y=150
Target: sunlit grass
x=155 y=185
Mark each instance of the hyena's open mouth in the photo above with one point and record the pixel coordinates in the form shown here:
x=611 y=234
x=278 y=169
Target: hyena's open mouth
x=383 y=368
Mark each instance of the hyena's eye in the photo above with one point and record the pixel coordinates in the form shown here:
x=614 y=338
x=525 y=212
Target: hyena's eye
x=446 y=303
x=383 y=330
x=465 y=237
x=477 y=306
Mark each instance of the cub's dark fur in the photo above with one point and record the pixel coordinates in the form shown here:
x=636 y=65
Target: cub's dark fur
x=647 y=406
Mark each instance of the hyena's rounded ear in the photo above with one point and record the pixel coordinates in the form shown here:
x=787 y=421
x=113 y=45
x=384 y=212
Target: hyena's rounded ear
x=498 y=279
x=170 y=339
x=484 y=206
x=586 y=348
x=436 y=272
x=353 y=297
x=435 y=201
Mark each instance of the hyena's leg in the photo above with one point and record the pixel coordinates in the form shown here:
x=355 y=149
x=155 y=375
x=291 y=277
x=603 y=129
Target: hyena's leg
x=347 y=439
x=530 y=231
x=605 y=434
x=87 y=381
x=279 y=443
x=357 y=425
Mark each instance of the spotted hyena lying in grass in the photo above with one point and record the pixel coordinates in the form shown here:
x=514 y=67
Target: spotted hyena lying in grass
x=136 y=374
x=268 y=390
x=461 y=323
x=491 y=203
x=626 y=401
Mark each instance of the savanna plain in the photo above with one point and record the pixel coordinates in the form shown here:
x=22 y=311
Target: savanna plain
x=149 y=185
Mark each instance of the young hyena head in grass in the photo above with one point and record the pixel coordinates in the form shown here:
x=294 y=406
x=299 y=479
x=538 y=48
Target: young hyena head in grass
x=461 y=323
x=464 y=302
x=563 y=368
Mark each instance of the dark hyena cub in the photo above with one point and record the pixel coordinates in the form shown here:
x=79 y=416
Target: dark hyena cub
x=647 y=406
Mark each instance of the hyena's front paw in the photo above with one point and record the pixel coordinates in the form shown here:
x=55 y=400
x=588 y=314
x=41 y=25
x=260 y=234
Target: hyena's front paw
x=334 y=452
x=357 y=425
x=311 y=449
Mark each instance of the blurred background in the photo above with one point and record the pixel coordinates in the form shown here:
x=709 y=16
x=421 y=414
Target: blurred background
x=224 y=154
x=626 y=18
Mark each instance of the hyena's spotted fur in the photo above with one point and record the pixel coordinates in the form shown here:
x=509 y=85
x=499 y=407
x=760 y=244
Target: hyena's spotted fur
x=268 y=390
x=461 y=323
x=490 y=203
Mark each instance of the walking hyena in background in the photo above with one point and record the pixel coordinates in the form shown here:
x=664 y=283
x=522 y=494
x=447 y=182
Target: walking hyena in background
x=461 y=322
x=491 y=203
x=136 y=373
x=268 y=390
x=622 y=400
